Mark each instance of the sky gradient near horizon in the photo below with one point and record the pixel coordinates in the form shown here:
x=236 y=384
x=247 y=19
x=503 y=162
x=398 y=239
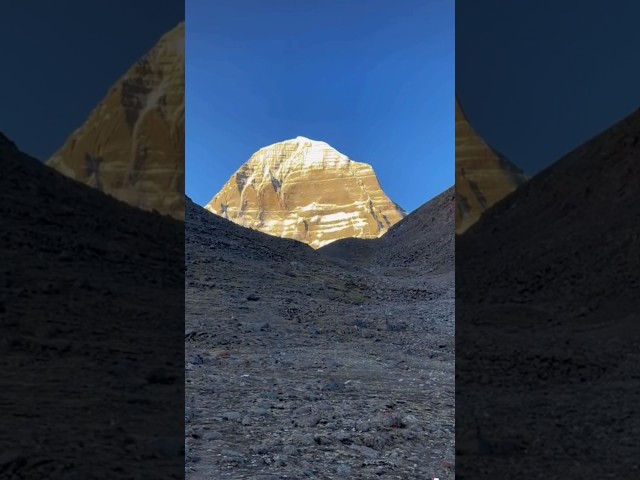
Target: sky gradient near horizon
x=374 y=81
x=540 y=78
x=49 y=87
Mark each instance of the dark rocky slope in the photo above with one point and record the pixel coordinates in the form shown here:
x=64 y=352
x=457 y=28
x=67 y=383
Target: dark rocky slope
x=547 y=327
x=91 y=313
x=421 y=241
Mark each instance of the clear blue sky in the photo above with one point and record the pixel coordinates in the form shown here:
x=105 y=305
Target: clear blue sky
x=374 y=79
x=539 y=78
x=60 y=59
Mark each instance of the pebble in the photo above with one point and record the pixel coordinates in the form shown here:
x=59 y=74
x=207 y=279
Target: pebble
x=195 y=359
x=343 y=470
x=363 y=426
x=232 y=416
x=259 y=327
x=306 y=439
x=212 y=436
x=367 y=452
x=334 y=385
x=259 y=411
x=308 y=421
x=291 y=450
x=342 y=436
x=234 y=456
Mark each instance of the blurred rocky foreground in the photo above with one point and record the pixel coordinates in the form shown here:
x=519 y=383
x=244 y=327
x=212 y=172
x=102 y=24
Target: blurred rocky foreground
x=91 y=318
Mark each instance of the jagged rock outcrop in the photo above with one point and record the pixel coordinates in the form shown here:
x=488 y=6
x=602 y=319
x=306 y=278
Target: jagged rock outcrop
x=306 y=190
x=132 y=144
x=483 y=175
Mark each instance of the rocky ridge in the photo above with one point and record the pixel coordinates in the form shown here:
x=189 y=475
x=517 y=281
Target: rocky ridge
x=132 y=144
x=306 y=190
x=483 y=175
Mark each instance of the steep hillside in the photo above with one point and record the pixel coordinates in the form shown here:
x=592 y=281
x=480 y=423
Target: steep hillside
x=91 y=317
x=547 y=325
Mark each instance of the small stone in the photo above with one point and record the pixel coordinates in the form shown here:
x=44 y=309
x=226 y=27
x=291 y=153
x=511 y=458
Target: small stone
x=409 y=420
x=212 y=436
x=369 y=453
x=220 y=353
x=259 y=327
x=306 y=439
x=246 y=420
x=232 y=416
x=409 y=434
x=363 y=426
x=343 y=470
x=308 y=421
x=390 y=420
x=259 y=411
x=348 y=423
x=260 y=449
x=280 y=460
x=195 y=359
x=323 y=440
x=234 y=456
x=377 y=441
x=334 y=385
x=304 y=410
x=342 y=437
x=291 y=450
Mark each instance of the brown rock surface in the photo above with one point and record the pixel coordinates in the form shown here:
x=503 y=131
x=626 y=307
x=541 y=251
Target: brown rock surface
x=132 y=144
x=483 y=175
x=306 y=190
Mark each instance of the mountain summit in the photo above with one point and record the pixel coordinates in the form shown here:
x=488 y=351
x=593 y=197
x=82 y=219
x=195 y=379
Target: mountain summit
x=132 y=144
x=306 y=190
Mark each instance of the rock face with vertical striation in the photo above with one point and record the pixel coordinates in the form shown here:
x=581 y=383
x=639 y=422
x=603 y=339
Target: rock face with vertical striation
x=306 y=190
x=132 y=144
x=483 y=175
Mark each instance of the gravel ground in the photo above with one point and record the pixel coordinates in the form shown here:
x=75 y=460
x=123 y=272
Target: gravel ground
x=302 y=365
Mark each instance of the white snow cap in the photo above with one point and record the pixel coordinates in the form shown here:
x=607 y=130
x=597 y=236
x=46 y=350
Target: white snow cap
x=302 y=139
